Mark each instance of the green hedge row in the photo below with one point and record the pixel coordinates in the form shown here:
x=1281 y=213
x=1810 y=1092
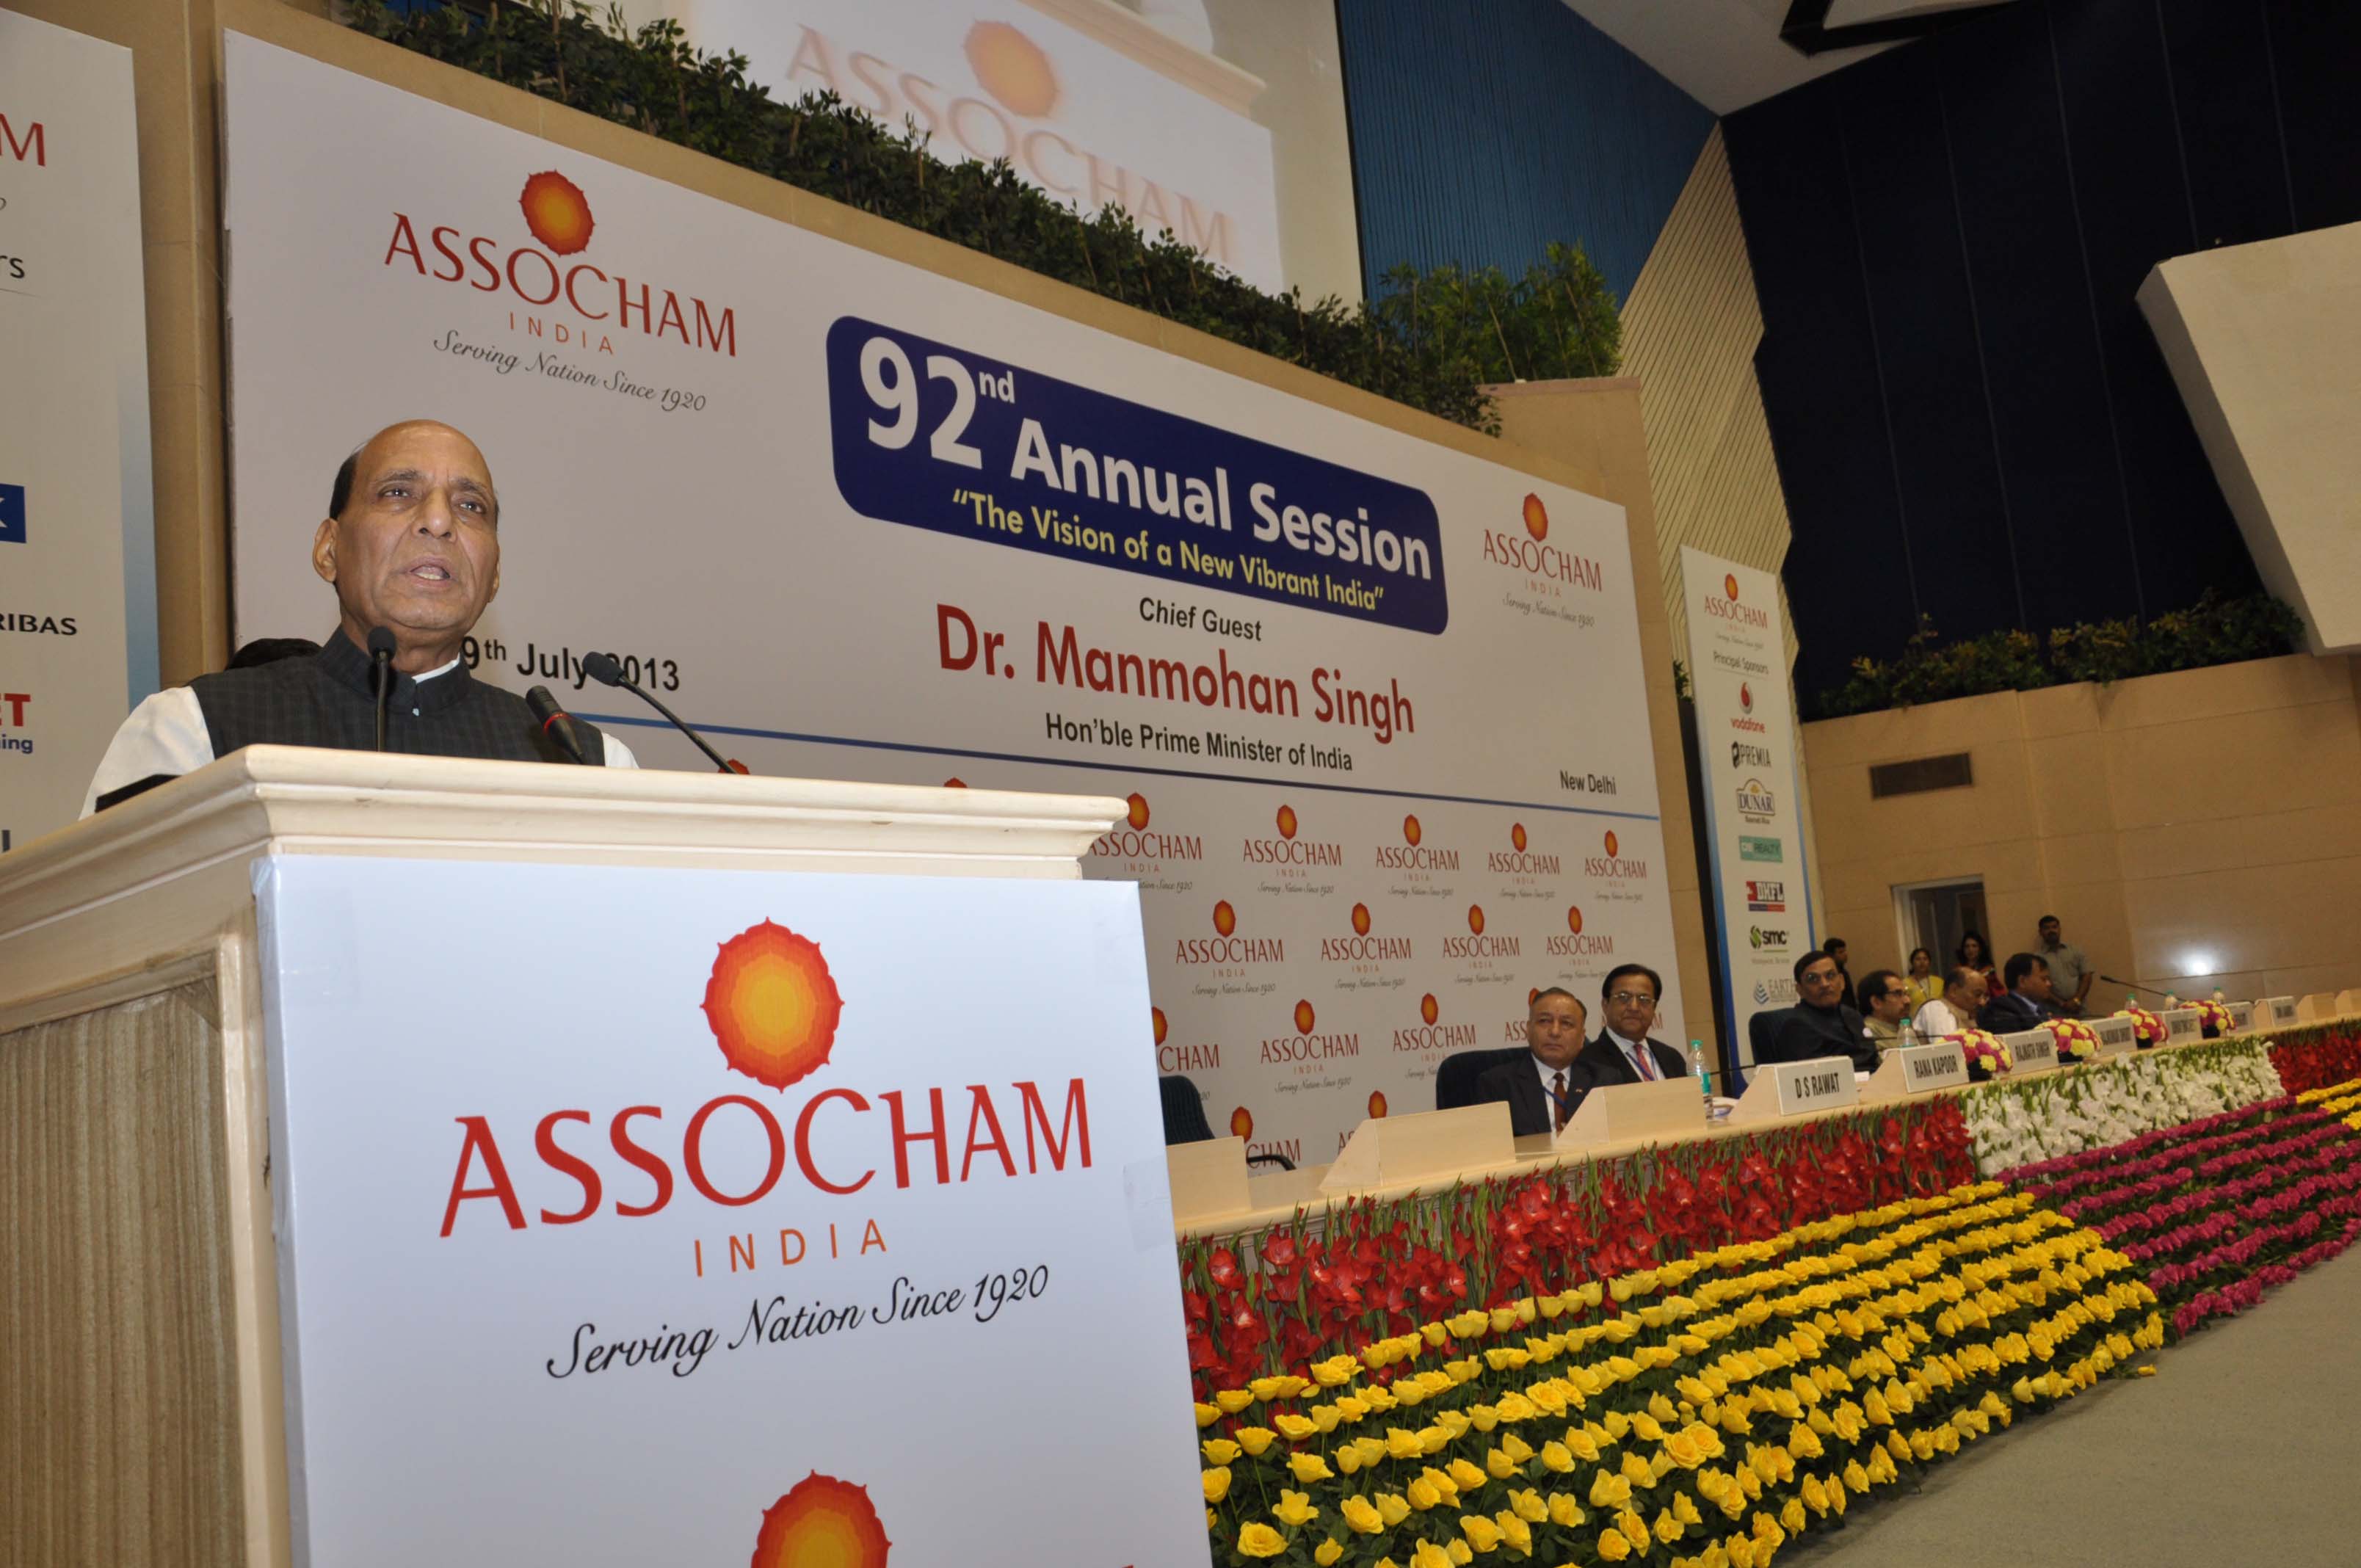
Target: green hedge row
x=1430 y=339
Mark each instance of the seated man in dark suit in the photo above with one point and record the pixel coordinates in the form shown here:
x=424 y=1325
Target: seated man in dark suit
x=1540 y=1087
x=2026 y=1004
x=1623 y=1052
x=1820 y=1024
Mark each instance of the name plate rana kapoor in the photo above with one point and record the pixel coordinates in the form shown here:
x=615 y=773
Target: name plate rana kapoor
x=1942 y=1065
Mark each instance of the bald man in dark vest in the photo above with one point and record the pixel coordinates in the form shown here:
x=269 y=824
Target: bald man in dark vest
x=411 y=543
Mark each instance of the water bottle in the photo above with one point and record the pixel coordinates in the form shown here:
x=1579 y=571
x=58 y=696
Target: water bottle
x=1696 y=1061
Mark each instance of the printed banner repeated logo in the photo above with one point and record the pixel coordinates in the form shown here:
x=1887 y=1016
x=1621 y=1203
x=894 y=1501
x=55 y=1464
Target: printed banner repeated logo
x=1374 y=707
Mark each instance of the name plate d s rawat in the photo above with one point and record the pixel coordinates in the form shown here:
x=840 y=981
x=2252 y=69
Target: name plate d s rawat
x=1793 y=1088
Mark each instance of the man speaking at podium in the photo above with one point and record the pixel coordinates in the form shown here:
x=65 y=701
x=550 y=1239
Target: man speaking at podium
x=412 y=546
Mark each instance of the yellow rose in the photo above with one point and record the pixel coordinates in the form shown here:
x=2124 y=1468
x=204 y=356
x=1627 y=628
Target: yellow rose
x=1557 y=1456
x=1254 y=1440
x=1581 y=1443
x=1634 y=1529
x=1516 y=1532
x=1392 y=1507
x=1233 y=1400
x=1481 y=1533
x=1336 y=1369
x=1294 y=1510
x=1684 y=1450
x=1617 y=1426
x=1637 y=1471
x=1527 y=1505
x=1464 y=1475
x=1563 y=1511
x=1685 y=1510
x=1217 y=1484
x=1219 y=1450
x=1646 y=1426
x=1400 y=1445
x=1310 y=1467
x=1791 y=1516
x=1208 y=1414
x=1295 y=1428
x=1741 y=1550
x=1608 y=1490
x=1267 y=1389
x=1328 y=1552
x=1612 y=1547
x=1459 y=1552
x=1815 y=1496
x=1423 y=1494
x=1361 y=1516
x=1499 y=1465
x=1260 y=1541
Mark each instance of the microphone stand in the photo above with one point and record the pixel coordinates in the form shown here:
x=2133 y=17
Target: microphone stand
x=380 y=652
x=606 y=670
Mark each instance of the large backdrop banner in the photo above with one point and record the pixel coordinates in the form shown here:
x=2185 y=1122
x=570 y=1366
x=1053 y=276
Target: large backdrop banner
x=1747 y=750
x=76 y=503
x=1377 y=703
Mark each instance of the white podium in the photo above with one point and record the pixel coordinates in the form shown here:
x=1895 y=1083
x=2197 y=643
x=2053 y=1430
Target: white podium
x=379 y=1132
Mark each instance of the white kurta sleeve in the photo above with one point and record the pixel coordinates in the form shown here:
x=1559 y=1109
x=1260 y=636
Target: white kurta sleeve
x=165 y=734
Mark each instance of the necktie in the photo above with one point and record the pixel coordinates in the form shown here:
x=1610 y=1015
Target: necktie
x=1647 y=1060
x=1557 y=1112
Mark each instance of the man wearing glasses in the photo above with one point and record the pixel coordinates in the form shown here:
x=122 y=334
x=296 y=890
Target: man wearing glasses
x=1623 y=1053
x=1822 y=1025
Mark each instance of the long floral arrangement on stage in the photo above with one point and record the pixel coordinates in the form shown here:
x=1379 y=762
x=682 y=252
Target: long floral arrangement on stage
x=1699 y=1352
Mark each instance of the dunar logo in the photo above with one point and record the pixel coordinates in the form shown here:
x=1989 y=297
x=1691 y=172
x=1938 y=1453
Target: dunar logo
x=1132 y=840
x=1526 y=551
x=588 y=304
x=1755 y=802
x=773 y=1009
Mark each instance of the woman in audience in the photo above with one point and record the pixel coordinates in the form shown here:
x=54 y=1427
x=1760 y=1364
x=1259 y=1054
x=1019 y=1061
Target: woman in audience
x=1922 y=982
x=1975 y=956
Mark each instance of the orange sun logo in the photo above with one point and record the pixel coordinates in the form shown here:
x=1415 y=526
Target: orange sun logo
x=1242 y=1123
x=1427 y=1008
x=772 y=1005
x=1536 y=517
x=556 y=211
x=1517 y=836
x=1729 y=585
x=1012 y=68
x=1611 y=846
x=1411 y=831
x=1162 y=1028
x=1476 y=918
x=1287 y=822
x=1376 y=1103
x=1574 y=918
x=955 y=783
x=822 y=1522
x=1360 y=919
x=1138 y=815
x=1225 y=919
x=1304 y=1017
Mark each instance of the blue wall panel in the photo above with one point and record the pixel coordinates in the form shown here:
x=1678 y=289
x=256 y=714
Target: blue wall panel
x=1483 y=132
x=1971 y=415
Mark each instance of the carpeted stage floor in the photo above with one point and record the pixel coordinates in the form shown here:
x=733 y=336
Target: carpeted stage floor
x=2243 y=1449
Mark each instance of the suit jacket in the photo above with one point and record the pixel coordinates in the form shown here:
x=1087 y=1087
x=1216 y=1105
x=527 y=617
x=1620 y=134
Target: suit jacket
x=2009 y=1014
x=1518 y=1084
x=1602 y=1063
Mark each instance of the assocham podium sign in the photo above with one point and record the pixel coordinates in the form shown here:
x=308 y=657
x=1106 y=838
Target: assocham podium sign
x=1746 y=748
x=703 y=1217
x=1377 y=703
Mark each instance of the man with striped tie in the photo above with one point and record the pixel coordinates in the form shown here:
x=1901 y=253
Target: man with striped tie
x=1541 y=1087
x=1623 y=1052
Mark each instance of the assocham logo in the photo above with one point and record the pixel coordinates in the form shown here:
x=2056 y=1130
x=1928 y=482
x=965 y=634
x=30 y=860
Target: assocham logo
x=1203 y=1058
x=1225 y=947
x=1431 y=1034
x=1542 y=563
x=1287 y=850
x=1411 y=855
x=1362 y=947
x=1476 y=944
x=773 y=1009
x=1518 y=859
x=1133 y=841
x=1306 y=1049
x=557 y=213
x=1614 y=865
x=1727 y=607
x=822 y=1522
x=1577 y=943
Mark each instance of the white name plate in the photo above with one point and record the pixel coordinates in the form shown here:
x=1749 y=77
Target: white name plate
x=2242 y=1016
x=2275 y=1011
x=1915 y=1069
x=1621 y=1112
x=2031 y=1050
x=2116 y=1035
x=1793 y=1088
x=2181 y=1026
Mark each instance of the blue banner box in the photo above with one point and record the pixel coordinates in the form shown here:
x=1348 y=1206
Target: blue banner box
x=12 y=514
x=936 y=437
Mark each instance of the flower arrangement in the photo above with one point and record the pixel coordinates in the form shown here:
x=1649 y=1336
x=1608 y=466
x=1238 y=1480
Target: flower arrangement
x=1987 y=1057
x=2316 y=1055
x=2077 y=1041
x=2147 y=1029
x=1713 y=1407
x=2213 y=1016
x=1273 y=1301
x=2019 y=1122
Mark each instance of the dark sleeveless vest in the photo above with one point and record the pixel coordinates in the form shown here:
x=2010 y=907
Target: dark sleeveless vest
x=326 y=700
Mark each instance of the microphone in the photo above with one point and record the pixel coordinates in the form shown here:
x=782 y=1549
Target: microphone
x=608 y=671
x=380 y=652
x=2152 y=991
x=556 y=723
